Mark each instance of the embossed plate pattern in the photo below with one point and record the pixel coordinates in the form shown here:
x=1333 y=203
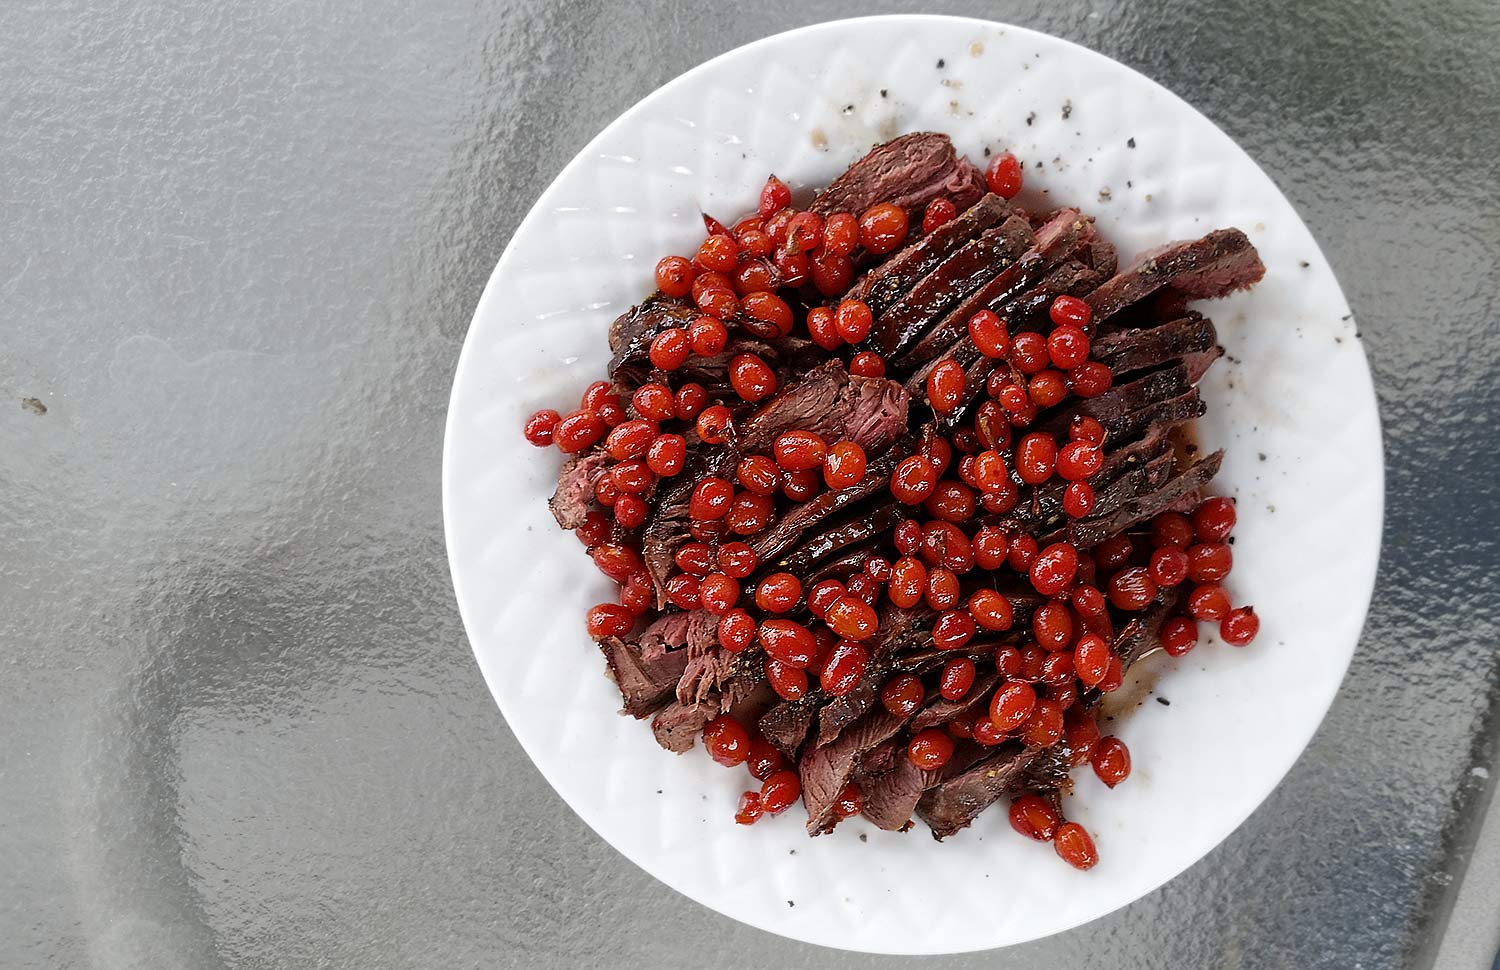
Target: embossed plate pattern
x=1292 y=402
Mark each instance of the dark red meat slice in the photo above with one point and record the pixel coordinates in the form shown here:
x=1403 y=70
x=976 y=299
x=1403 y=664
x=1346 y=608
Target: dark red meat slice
x=881 y=286
x=574 y=496
x=644 y=684
x=1216 y=265
x=908 y=171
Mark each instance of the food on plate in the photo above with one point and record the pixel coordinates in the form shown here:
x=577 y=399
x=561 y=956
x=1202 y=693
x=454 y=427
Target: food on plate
x=896 y=486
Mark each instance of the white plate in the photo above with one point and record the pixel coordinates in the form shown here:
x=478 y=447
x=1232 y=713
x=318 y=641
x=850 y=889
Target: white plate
x=1293 y=402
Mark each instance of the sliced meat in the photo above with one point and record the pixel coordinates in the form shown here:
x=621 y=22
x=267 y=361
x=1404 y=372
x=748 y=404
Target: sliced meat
x=955 y=803
x=955 y=277
x=842 y=711
x=1122 y=399
x=1128 y=455
x=667 y=632
x=1141 y=634
x=645 y=684
x=1054 y=242
x=868 y=410
x=1070 y=278
x=678 y=724
x=784 y=356
x=909 y=171
x=881 y=286
x=826 y=770
x=891 y=796
x=1172 y=412
x=1095 y=529
x=1101 y=256
x=786 y=725
x=942 y=711
x=1199 y=362
x=574 y=496
x=1138 y=349
x=879 y=759
x=1216 y=265
x=709 y=665
x=830 y=540
x=631 y=333
x=706 y=673
x=791 y=525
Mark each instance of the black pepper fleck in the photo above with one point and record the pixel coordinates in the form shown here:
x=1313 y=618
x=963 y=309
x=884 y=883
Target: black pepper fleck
x=1130 y=142
x=1262 y=456
x=1163 y=702
x=790 y=903
x=1303 y=263
x=1030 y=118
x=34 y=405
x=864 y=836
x=1067 y=109
x=848 y=109
x=986 y=151
x=941 y=63
x=884 y=93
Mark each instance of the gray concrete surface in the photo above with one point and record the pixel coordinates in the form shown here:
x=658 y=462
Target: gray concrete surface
x=239 y=247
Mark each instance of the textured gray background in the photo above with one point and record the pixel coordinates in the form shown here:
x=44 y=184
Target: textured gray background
x=239 y=247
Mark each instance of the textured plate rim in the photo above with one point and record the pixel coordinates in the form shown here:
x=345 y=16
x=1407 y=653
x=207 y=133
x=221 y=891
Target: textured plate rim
x=1365 y=580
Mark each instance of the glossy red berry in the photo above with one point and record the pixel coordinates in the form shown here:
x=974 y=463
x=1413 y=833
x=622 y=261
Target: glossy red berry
x=1070 y=311
x=774 y=197
x=577 y=431
x=956 y=679
x=1214 y=519
x=1004 y=175
x=1178 y=635
x=1034 y=817
x=844 y=465
x=1208 y=601
x=674 y=276
x=844 y=667
x=882 y=228
x=988 y=333
x=670 y=349
x=1239 y=626
x=945 y=386
x=797 y=451
x=609 y=620
x=991 y=610
x=1053 y=569
x=1090 y=379
x=749 y=811
x=780 y=792
x=1111 y=760
x=1067 y=347
x=540 y=425
x=939 y=212
x=929 y=750
x=1078 y=499
x=727 y=741
x=1012 y=705
x=867 y=363
x=1036 y=457
x=1075 y=846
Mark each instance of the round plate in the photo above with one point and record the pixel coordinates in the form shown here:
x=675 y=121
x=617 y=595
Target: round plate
x=1292 y=401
